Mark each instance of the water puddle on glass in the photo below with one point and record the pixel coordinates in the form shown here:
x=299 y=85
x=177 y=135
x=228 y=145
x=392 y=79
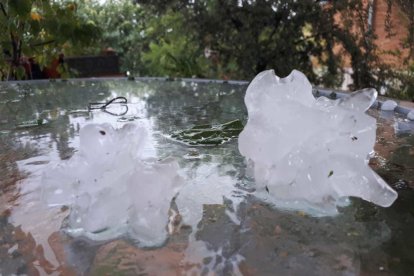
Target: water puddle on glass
x=215 y=224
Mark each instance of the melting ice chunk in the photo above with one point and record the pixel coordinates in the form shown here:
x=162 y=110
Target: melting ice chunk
x=410 y=115
x=111 y=188
x=389 y=105
x=310 y=150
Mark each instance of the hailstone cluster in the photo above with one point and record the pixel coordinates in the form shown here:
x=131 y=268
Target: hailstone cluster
x=111 y=189
x=310 y=150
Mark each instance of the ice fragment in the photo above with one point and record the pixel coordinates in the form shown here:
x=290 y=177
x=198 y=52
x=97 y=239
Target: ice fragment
x=111 y=188
x=310 y=150
x=410 y=115
x=388 y=105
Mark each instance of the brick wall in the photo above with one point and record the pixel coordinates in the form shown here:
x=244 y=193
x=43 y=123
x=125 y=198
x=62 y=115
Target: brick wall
x=385 y=43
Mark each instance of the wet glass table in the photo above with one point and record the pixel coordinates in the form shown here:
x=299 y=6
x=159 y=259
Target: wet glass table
x=230 y=232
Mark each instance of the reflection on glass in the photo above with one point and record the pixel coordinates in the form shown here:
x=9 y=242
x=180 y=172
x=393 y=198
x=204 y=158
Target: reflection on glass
x=232 y=232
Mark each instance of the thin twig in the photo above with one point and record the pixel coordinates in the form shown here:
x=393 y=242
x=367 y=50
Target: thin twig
x=3 y=10
x=14 y=46
x=42 y=43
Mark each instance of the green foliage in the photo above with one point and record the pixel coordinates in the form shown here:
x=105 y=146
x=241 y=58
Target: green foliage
x=41 y=30
x=259 y=35
x=124 y=26
x=251 y=36
x=400 y=84
x=173 y=50
x=209 y=38
x=148 y=44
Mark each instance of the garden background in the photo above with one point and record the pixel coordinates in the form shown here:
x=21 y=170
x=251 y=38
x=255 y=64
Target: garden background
x=348 y=44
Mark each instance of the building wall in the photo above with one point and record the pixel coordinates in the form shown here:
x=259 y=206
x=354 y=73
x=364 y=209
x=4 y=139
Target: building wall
x=399 y=22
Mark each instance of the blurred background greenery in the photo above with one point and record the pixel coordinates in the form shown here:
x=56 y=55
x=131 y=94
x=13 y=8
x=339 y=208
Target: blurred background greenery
x=348 y=44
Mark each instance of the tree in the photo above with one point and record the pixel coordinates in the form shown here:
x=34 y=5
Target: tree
x=173 y=49
x=39 y=29
x=251 y=36
x=124 y=26
x=319 y=38
x=408 y=7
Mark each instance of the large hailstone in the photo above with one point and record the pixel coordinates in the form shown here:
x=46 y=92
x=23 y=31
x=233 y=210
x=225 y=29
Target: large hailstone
x=111 y=189
x=310 y=150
